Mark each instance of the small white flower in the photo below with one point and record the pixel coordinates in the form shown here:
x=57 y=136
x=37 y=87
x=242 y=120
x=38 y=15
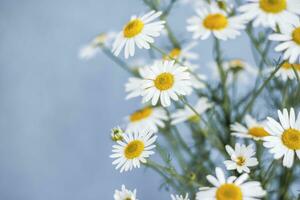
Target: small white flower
x=289 y=39
x=213 y=20
x=253 y=129
x=284 y=139
x=241 y=158
x=133 y=150
x=286 y=71
x=186 y=113
x=125 y=194
x=180 y=197
x=139 y=31
x=270 y=13
x=183 y=53
x=149 y=118
x=230 y=188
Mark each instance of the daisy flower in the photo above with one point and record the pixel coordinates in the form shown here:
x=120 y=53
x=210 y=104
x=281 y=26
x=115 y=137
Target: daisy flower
x=284 y=140
x=253 y=129
x=125 y=194
x=139 y=31
x=289 y=39
x=186 y=114
x=286 y=71
x=133 y=150
x=182 y=53
x=165 y=80
x=241 y=158
x=268 y=13
x=149 y=118
x=213 y=20
x=180 y=197
x=90 y=50
x=230 y=188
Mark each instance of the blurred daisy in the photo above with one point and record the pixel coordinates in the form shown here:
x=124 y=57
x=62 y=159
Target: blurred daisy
x=149 y=118
x=177 y=197
x=186 y=114
x=237 y=66
x=133 y=150
x=230 y=188
x=284 y=140
x=182 y=54
x=268 y=13
x=213 y=20
x=90 y=50
x=290 y=41
x=125 y=194
x=286 y=71
x=165 y=80
x=139 y=31
x=241 y=158
x=253 y=129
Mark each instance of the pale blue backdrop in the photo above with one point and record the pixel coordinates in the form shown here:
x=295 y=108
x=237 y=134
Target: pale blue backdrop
x=56 y=110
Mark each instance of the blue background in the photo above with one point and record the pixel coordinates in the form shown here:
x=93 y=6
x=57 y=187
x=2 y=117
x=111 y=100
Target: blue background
x=56 y=111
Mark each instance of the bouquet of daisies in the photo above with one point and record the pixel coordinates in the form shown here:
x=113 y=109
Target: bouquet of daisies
x=230 y=132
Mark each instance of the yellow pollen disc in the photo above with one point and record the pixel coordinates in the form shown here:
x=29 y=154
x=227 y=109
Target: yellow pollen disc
x=174 y=53
x=289 y=66
x=240 y=160
x=133 y=28
x=164 y=81
x=273 y=6
x=257 y=131
x=215 y=22
x=236 y=65
x=296 y=35
x=141 y=114
x=194 y=118
x=229 y=191
x=291 y=138
x=134 y=149
x=128 y=198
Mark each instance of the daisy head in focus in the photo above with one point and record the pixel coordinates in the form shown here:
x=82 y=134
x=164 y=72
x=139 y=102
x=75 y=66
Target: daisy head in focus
x=286 y=71
x=182 y=54
x=90 y=50
x=187 y=114
x=230 y=188
x=252 y=129
x=269 y=13
x=289 y=38
x=125 y=194
x=133 y=150
x=241 y=158
x=139 y=31
x=180 y=197
x=213 y=20
x=150 y=118
x=284 y=139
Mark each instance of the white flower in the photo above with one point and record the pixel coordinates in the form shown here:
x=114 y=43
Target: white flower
x=139 y=31
x=213 y=20
x=133 y=150
x=180 y=197
x=183 y=53
x=230 y=188
x=133 y=87
x=91 y=49
x=241 y=158
x=149 y=118
x=125 y=194
x=269 y=13
x=289 y=41
x=253 y=129
x=284 y=140
x=286 y=71
x=186 y=113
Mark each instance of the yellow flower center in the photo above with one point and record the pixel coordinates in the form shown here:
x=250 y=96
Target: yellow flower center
x=128 y=198
x=289 y=66
x=291 y=138
x=236 y=65
x=141 y=114
x=240 y=160
x=164 y=81
x=229 y=191
x=194 y=118
x=273 y=6
x=133 y=28
x=174 y=53
x=296 y=35
x=215 y=22
x=258 y=132
x=134 y=149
